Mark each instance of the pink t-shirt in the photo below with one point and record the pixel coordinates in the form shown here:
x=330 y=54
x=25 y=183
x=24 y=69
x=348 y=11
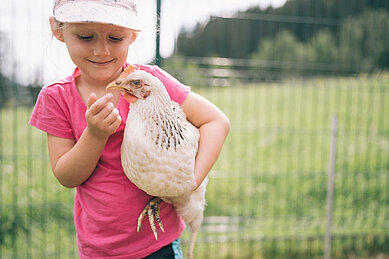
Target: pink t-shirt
x=107 y=205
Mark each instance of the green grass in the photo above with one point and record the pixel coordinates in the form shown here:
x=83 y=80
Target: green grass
x=267 y=192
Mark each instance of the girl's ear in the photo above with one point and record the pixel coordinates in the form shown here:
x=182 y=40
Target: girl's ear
x=134 y=36
x=56 y=29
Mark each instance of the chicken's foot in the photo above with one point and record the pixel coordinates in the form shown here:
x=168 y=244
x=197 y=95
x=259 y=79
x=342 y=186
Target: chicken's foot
x=152 y=211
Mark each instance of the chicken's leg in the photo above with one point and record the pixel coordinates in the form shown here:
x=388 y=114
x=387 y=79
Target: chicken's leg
x=151 y=210
x=192 y=243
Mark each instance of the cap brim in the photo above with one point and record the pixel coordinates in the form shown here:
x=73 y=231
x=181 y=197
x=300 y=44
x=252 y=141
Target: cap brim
x=89 y=12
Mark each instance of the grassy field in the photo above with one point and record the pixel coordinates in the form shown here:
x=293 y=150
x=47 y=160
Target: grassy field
x=267 y=192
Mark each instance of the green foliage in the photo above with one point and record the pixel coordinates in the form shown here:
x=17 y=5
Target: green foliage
x=294 y=56
x=285 y=48
x=12 y=92
x=352 y=37
x=361 y=47
x=11 y=225
x=187 y=72
x=5 y=90
x=323 y=47
x=364 y=40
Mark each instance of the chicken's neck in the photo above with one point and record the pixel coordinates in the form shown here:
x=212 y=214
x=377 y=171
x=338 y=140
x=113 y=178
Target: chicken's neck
x=163 y=120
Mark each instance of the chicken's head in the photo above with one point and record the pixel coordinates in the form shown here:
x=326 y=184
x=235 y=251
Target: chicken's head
x=134 y=86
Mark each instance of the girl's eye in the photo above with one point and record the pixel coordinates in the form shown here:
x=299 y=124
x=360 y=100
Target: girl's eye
x=115 y=38
x=85 y=37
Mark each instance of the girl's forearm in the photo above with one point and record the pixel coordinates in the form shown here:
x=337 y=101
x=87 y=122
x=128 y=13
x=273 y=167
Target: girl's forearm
x=212 y=137
x=75 y=166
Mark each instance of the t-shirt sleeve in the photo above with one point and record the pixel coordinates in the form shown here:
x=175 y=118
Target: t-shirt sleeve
x=51 y=114
x=176 y=90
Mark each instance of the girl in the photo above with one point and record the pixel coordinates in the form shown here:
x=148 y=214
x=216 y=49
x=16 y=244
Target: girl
x=85 y=124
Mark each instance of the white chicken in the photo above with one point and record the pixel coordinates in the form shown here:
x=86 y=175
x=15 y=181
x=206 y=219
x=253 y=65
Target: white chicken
x=158 y=152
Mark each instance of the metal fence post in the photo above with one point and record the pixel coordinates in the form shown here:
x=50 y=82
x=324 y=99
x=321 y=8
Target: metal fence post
x=330 y=188
x=158 y=60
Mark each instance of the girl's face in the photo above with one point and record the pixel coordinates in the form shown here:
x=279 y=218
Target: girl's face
x=98 y=50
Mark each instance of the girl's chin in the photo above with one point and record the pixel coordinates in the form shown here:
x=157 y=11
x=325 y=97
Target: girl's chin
x=108 y=74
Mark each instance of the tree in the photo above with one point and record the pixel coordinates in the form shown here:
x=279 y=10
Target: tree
x=284 y=53
x=323 y=47
x=364 y=39
x=240 y=35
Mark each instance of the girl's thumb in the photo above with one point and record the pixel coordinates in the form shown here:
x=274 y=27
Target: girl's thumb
x=91 y=100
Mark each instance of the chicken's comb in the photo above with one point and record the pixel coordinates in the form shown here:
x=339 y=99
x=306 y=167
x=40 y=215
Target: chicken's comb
x=128 y=70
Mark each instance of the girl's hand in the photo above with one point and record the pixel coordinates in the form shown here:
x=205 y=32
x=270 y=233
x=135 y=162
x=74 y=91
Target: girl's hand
x=102 y=117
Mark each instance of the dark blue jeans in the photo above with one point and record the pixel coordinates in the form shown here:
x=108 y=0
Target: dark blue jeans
x=171 y=251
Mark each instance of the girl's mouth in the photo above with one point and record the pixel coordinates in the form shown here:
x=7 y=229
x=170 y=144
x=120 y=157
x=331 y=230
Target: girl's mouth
x=100 y=63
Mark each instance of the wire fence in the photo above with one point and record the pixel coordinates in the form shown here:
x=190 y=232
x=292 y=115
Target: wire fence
x=268 y=193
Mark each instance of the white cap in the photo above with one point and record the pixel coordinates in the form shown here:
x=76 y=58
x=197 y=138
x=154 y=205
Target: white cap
x=117 y=12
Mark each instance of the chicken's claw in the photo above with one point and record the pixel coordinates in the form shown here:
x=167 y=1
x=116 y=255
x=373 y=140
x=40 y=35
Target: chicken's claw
x=152 y=211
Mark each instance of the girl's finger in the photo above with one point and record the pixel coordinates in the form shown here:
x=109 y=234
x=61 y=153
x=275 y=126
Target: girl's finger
x=105 y=111
x=91 y=100
x=115 y=125
x=98 y=104
x=113 y=116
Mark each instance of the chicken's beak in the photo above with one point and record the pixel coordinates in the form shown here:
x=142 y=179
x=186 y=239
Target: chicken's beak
x=115 y=85
x=118 y=84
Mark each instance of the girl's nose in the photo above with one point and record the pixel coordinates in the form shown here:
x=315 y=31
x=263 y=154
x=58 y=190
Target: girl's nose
x=101 y=48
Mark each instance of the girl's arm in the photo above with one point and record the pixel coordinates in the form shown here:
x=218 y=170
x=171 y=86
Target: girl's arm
x=213 y=126
x=73 y=162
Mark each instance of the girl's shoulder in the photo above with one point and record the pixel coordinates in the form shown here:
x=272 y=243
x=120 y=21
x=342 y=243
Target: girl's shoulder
x=64 y=86
x=57 y=108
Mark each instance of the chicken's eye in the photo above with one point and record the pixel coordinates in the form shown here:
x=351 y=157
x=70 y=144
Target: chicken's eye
x=136 y=83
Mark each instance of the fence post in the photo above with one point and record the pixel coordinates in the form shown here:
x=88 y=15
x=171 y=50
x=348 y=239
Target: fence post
x=158 y=60
x=330 y=188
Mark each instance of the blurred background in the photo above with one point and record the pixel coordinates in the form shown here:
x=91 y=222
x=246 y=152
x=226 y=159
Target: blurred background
x=305 y=83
